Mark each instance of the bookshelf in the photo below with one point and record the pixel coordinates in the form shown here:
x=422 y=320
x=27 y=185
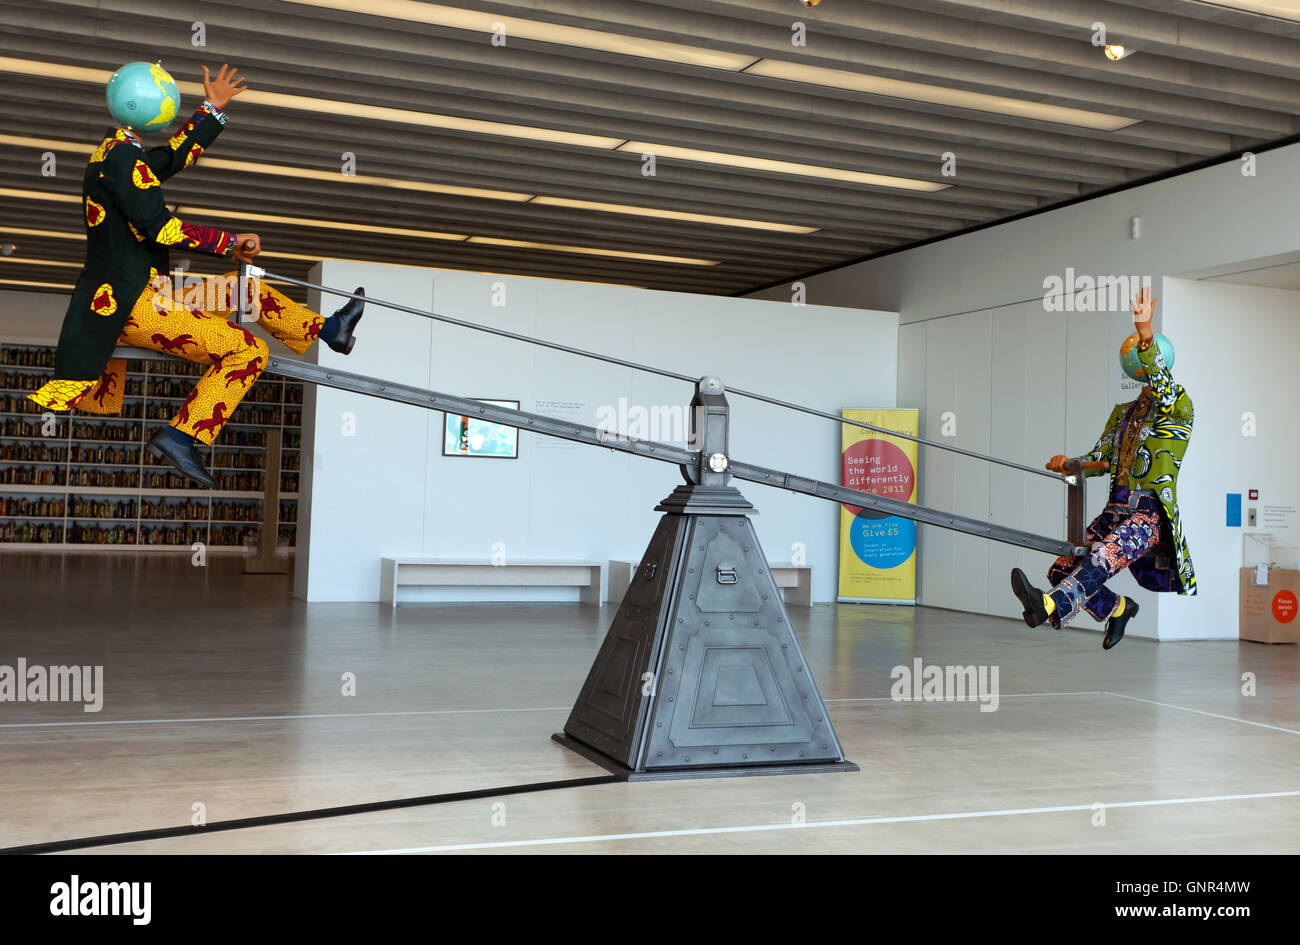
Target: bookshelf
x=76 y=480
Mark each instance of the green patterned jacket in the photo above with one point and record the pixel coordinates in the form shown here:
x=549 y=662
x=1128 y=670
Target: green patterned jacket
x=1164 y=439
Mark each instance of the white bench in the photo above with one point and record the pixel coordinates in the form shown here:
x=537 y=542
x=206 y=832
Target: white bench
x=794 y=580
x=458 y=572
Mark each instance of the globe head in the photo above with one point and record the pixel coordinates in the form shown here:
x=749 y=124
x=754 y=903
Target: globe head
x=1128 y=355
x=142 y=96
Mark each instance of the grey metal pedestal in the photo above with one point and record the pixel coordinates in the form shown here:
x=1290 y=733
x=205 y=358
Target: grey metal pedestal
x=700 y=674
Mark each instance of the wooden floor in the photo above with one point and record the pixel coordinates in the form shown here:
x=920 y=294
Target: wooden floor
x=224 y=691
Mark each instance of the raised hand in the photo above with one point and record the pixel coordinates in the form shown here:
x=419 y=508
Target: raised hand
x=223 y=88
x=1144 y=306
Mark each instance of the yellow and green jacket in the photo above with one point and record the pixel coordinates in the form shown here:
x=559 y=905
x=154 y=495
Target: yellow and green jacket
x=1163 y=440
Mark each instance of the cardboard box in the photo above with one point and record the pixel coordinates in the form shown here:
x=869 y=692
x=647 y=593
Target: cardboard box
x=1269 y=612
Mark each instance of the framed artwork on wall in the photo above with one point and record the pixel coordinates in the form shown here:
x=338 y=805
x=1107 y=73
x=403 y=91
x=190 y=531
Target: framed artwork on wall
x=471 y=436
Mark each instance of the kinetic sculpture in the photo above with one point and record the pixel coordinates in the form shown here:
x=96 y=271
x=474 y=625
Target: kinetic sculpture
x=700 y=674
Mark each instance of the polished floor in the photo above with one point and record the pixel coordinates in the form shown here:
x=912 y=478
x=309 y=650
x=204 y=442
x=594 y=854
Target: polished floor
x=224 y=695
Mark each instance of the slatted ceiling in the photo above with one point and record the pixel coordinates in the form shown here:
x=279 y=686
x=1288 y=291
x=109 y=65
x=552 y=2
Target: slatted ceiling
x=1204 y=81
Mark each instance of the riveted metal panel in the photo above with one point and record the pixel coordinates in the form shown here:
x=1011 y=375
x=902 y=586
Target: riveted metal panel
x=733 y=687
x=611 y=707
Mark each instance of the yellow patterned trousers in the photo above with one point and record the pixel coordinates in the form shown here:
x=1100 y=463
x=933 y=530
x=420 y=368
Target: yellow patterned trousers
x=195 y=326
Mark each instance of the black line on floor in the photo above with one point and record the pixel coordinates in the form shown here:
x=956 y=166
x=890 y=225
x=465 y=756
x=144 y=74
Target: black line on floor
x=268 y=820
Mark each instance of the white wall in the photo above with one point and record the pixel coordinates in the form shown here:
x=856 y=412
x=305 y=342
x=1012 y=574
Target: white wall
x=31 y=317
x=975 y=338
x=1236 y=348
x=388 y=491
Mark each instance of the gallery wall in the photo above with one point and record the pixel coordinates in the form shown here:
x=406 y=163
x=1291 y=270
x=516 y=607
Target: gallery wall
x=1027 y=372
x=1236 y=355
x=375 y=483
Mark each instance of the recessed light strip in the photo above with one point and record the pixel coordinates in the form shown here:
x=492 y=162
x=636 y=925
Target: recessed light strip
x=406 y=116
x=671 y=215
x=39 y=262
x=281 y=170
x=38 y=285
x=591 y=251
x=1282 y=9
x=320 y=224
x=490 y=24
x=937 y=95
x=189 y=211
x=749 y=162
x=53 y=234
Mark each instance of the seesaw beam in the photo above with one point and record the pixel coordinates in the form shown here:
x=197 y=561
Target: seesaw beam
x=650 y=449
x=591 y=436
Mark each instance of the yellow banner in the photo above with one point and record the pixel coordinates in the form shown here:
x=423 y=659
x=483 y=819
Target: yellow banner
x=878 y=552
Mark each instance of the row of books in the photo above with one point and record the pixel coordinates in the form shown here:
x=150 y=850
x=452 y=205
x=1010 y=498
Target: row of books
x=24 y=356
x=25 y=506
x=103 y=508
x=160 y=478
x=98 y=533
x=36 y=452
x=222 y=510
x=127 y=455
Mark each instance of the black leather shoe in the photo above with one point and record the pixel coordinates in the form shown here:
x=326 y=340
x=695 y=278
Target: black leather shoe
x=1031 y=598
x=186 y=459
x=1115 y=625
x=348 y=317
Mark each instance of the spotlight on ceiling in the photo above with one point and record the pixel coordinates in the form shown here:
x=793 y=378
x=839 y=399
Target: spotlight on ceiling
x=810 y=3
x=1114 y=52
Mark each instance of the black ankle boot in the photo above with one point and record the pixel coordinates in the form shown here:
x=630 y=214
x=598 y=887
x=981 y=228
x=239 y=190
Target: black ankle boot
x=348 y=317
x=185 y=457
x=1115 y=625
x=1030 y=597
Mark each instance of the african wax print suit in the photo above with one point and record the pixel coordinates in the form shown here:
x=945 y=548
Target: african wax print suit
x=1140 y=528
x=121 y=295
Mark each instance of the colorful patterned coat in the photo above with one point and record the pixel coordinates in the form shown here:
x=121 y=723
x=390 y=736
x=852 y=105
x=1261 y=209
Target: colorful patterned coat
x=1163 y=441
x=128 y=232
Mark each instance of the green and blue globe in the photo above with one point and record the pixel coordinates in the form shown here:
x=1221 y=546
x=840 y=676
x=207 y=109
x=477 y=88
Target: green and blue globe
x=1128 y=356
x=142 y=96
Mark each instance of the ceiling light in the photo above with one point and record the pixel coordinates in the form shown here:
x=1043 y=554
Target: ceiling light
x=281 y=170
x=672 y=215
x=781 y=167
x=318 y=224
x=37 y=285
x=592 y=251
x=56 y=234
x=1114 y=52
x=40 y=262
x=937 y=95
x=333 y=108
x=49 y=144
x=397 y=183
x=1283 y=9
x=38 y=195
x=538 y=31
x=54 y=70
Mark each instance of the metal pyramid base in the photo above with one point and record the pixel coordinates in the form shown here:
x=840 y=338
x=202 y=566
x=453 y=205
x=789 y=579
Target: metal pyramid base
x=681 y=774
x=701 y=675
